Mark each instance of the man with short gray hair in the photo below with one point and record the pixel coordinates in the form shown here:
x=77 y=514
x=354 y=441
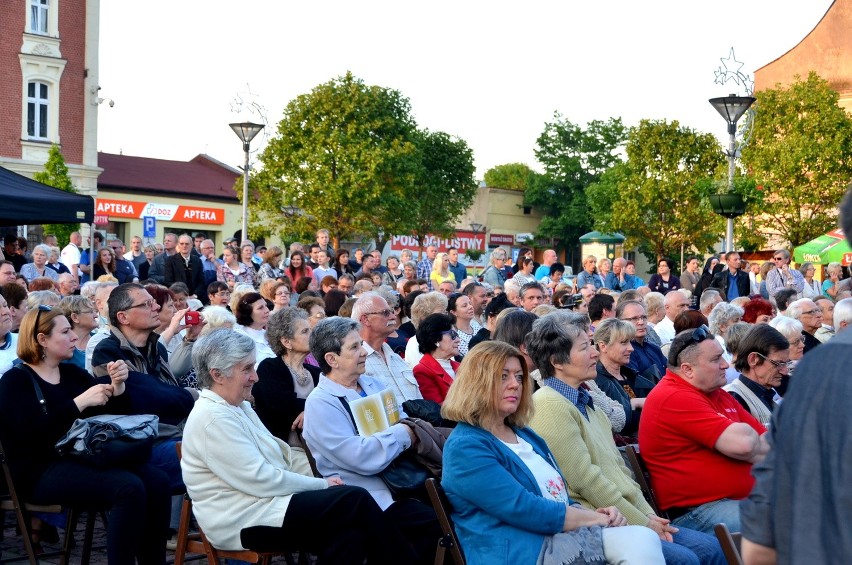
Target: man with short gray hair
x=67 y=284
x=424 y=267
x=810 y=315
x=842 y=315
x=709 y=299
x=378 y=321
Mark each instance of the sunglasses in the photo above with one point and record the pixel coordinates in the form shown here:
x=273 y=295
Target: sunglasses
x=452 y=333
x=41 y=308
x=698 y=335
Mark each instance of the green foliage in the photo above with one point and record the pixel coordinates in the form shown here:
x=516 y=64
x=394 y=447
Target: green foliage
x=474 y=254
x=573 y=158
x=747 y=235
x=512 y=176
x=800 y=151
x=55 y=174
x=654 y=198
x=444 y=189
x=346 y=155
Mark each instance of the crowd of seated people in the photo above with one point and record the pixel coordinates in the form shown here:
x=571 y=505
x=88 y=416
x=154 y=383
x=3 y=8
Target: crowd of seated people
x=277 y=354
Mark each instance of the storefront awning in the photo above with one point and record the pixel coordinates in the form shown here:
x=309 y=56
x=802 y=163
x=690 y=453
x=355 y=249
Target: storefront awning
x=827 y=248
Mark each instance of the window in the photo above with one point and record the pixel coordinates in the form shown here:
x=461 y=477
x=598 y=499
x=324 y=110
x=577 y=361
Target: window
x=38 y=16
x=527 y=210
x=37 y=104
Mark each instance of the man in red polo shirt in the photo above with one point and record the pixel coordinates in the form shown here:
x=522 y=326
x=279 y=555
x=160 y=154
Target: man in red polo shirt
x=698 y=442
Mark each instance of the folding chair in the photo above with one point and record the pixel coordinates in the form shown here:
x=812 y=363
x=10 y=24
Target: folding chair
x=449 y=540
x=198 y=542
x=311 y=460
x=9 y=500
x=641 y=475
x=730 y=543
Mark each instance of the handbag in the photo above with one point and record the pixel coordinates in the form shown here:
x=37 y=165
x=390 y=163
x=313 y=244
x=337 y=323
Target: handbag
x=405 y=476
x=111 y=440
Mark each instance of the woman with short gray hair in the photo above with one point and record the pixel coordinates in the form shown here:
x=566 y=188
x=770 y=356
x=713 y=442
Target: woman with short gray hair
x=237 y=473
x=334 y=441
x=723 y=316
x=286 y=380
x=39 y=268
x=495 y=273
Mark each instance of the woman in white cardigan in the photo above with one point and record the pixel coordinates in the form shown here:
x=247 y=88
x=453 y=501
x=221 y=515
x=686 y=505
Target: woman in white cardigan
x=241 y=480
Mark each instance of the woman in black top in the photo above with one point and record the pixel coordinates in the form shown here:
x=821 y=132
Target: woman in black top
x=285 y=381
x=137 y=498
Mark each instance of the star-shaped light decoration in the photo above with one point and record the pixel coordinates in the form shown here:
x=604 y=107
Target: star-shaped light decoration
x=731 y=70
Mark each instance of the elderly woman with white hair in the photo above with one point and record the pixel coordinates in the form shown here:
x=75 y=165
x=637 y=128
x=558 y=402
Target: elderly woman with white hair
x=39 y=268
x=495 y=273
x=244 y=493
x=723 y=316
x=831 y=284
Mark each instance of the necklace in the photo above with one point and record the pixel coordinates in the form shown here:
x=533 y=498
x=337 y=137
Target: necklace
x=303 y=377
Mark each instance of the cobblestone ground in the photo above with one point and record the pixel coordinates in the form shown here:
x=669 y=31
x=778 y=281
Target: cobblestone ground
x=12 y=546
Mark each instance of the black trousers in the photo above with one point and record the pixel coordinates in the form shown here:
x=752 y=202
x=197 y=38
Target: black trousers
x=344 y=525
x=138 y=502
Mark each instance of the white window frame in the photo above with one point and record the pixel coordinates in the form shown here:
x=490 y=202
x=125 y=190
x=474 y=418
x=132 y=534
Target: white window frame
x=39 y=17
x=35 y=104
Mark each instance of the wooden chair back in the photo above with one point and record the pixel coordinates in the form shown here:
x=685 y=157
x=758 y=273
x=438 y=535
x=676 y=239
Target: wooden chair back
x=11 y=501
x=197 y=542
x=311 y=460
x=449 y=540
x=730 y=543
x=641 y=475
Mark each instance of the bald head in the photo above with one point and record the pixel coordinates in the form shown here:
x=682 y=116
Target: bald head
x=675 y=302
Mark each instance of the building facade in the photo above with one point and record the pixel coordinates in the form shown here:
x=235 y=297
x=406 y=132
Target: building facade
x=49 y=86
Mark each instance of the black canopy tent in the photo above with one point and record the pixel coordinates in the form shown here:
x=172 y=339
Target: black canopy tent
x=25 y=201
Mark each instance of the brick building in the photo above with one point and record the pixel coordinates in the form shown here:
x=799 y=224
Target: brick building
x=49 y=86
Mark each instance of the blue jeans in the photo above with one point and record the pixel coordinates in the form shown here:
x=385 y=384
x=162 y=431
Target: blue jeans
x=725 y=511
x=693 y=548
x=164 y=457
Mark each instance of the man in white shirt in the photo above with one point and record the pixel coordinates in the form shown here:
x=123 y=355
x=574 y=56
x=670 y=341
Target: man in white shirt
x=674 y=303
x=70 y=255
x=378 y=321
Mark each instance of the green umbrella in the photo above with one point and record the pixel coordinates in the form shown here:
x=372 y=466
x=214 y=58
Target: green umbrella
x=828 y=248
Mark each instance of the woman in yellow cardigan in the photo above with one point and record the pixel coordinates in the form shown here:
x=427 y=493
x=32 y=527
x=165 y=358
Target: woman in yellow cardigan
x=441 y=271
x=580 y=438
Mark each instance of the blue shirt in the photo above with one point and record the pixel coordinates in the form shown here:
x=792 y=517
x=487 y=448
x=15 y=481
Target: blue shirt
x=576 y=396
x=733 y=291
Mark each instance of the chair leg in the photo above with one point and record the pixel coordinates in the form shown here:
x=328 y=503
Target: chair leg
x=70 y=527
x=26 y=533
x=183 y=531
x=88 y=536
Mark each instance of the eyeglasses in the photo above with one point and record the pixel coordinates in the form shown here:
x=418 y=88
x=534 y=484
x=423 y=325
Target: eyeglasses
x=147 y=304
x=699 y=334
x=635 y=319
x=383 y=313
x=452 y=333
x=797 y=341
x=318 y=315
x=222 y=293
x=777 y=258
x=778 y=364
x=812 y=312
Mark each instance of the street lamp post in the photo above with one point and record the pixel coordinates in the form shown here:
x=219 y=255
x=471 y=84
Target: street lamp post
x=476 y=228
x=246 y=132
x=731 y=108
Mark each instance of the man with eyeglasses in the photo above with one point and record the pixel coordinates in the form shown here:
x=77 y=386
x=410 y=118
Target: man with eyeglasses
x=810 y=315
x=697 y=441
x=647 y=358
x=763 y=359
x=218 y=294
x=782 y=276
x=378 y=321
x=209 y=262
x=133 y=317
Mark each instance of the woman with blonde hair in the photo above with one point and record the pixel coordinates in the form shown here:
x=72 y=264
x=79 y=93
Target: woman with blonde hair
x=83 y=318
x=441 y=270
x=232 y=271
x=498 y=474
x=831 y=285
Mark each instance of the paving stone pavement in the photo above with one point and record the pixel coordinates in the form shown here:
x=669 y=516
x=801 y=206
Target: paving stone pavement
x=12 y=546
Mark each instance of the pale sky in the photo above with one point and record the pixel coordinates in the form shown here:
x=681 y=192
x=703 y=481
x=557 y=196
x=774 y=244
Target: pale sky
x=491 y=72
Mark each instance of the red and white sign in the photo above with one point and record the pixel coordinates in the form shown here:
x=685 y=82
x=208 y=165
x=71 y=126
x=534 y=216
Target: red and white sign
x=101 y=220
x=462 y=241
x=501 y=239
x=847 y=259
x=164 y=212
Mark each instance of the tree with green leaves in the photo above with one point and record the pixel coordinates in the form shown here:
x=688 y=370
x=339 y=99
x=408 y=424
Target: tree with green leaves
x=654 y=198
x=511 y=176
x=444 y=189
x=345 y=155
x=800 y=151
x=55 y=174
x=573 y=158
